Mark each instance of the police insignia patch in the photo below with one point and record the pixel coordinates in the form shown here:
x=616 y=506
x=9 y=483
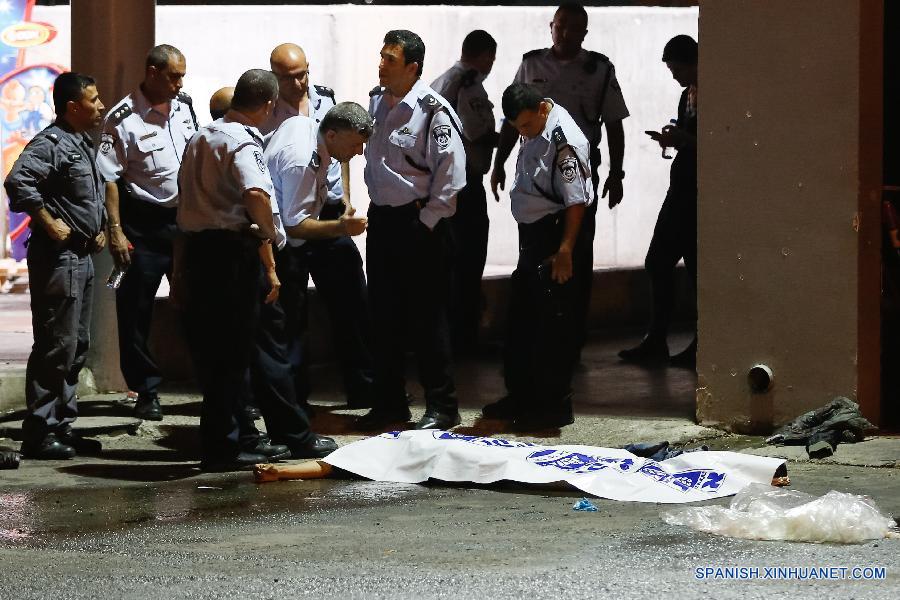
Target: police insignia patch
x=106 y=143
x=568 y=168
x=259 y=161
x=441 y=135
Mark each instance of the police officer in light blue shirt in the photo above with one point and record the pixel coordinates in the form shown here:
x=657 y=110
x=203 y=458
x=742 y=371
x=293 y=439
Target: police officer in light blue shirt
x=143 y=140
x=415 y=167
x=549 y=197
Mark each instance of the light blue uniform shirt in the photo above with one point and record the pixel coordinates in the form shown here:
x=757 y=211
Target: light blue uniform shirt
x=295 y=156
x=552 y=171
x=224 y=160
x=145 y=146
x=463 y=88
x=415 y=153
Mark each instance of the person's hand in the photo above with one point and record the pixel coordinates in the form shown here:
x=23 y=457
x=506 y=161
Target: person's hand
x=98 y=242
x=274 y=286
x=353 y=225
x=498 y=179
x=119 y=247
x=350 y=210
x=58 y=231
x=613 y=187
x=561 y=266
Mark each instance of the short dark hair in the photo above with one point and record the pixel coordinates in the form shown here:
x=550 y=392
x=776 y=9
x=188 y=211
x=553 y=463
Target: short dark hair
x=573 y=8
x=69 y=86
x=412 y=45
x=254 y=88
x=348 y=116
x=519 y=97
x=477 y=43
x=159 y=56
x=682 y=49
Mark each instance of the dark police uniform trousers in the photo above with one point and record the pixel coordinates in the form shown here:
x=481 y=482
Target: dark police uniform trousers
x=151 y=229
x=542 y=336
x=409 y=270
x=470 y=228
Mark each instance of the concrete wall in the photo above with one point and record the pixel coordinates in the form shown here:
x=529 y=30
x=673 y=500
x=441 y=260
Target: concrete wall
x=789 y=227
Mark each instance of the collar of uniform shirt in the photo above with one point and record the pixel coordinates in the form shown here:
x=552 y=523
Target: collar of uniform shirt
x=142 y=106
x=479 y=77
x=412 y=97
x=552 y=120
x=233 y=116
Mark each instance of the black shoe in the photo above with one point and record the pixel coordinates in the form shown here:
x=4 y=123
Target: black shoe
x=650 y=352
x=9 y=460
x=318 y=447
x=274 y=452
x=436 y=420
x=380 y=418
x=244 y=461
x=687 y=358
x=505 y=409
x=48 y=448
x=252 y=413
x=148 y=408
x=82 y=445
x=541 y=421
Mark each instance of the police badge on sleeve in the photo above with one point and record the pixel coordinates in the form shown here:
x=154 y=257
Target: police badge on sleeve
x=259 y=161
x=106 y=143
x=441 y=135
x=568 y=168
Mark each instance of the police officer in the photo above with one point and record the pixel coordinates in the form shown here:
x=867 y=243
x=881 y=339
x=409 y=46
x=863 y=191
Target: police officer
x=220 y=102
x=462 y=86
x=225 y=209
x=415 y=167
x=675 y=234
x=584 y=83
x=141 y=146
x=549 y=198
x=335 y=263
x=56 y=182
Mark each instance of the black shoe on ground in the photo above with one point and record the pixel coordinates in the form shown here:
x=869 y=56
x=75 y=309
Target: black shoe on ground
x=436 y=420
x=274 y=452
x=9 y=460
x=380 y=418
x=504 y=409
x=319 y=446
x=252 y=412
x=81 y=445
x=49 y=448
x=687 y=358
x=540 y=421
x=244 y=461
x=147 y=408
x=650 y=352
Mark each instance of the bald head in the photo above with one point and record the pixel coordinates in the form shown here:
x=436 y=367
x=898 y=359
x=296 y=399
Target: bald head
x=288 y=62
x=220 y=102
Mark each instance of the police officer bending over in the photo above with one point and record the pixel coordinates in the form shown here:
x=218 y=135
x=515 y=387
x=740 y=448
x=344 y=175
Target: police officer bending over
x=143 y=140
x=225 y=209
x=415 y=166
x=549 y=197
x=55 y=181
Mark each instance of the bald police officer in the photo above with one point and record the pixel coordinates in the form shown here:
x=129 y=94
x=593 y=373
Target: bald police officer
x=462 y=86
x=549 y=198
x=143 y=140
x=584 y=83
x=415 y=167
x=56 y=182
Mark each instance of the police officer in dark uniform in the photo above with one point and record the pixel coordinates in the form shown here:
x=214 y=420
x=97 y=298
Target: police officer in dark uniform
x=462 y=86
x=56 y=182
x=675 y=234
x=141 y=147
x=549 y=201
x=415 y=167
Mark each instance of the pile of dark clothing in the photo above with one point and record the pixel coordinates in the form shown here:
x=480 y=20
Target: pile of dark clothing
x=821 y=430
x=659 y=451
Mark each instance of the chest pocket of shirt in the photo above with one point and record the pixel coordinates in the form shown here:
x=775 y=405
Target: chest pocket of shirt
x=148 y=151
x=407 y=143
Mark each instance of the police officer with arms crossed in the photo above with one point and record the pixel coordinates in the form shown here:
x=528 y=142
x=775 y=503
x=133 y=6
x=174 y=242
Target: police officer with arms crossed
x=584 y=83
x=334 y=262
x=141 y=146
x=226 y=212
x=462 y=86
x=415 y=167
x=549 y=198
x=55 y=181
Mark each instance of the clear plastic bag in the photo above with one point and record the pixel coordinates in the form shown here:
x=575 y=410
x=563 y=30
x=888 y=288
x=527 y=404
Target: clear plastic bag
x=762 y=512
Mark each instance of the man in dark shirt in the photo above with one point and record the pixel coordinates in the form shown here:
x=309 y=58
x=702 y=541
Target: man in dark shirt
x=55 y=181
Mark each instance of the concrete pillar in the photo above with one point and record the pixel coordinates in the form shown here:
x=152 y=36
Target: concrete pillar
x=790 y=155
x=110 y=41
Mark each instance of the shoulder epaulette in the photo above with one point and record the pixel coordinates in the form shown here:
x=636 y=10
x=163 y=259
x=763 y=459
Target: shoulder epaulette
x=593 y=61
x=120 y=113
x=50 y=135
x=325 y=91
x=429 y=102
x=559 y=138
x=314 y=160
x=182 y=97
x=469 y=78
x=532 y=53
x=376 y=91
